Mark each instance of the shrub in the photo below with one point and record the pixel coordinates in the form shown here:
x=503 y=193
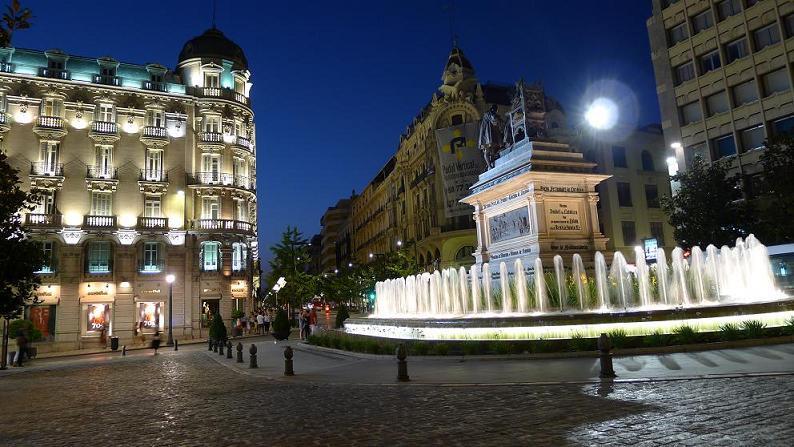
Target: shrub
x=420 y=348
x=729 y=332
x=439 y=349
x=218 y=328
x=281 y=322
x=753 y=328
x=342 y=314
x=618 y=337
x=788 y=329
x=26 y=326
x=686 y=334
x=471 y=348
x=657 y=338
x=579 y=343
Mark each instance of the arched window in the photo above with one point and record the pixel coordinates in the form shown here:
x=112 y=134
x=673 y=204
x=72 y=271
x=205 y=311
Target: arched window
x=210 y=256
x=647 y=161
x=464 y=253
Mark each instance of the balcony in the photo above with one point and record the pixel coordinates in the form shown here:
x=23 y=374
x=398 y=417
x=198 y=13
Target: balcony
x=218 y=92
x=43 y=220
x=106 y=80
x=213 y=178
x=244 y=143
x=46 y=169
x=211 y=137
x=98 y=222
x=49 y=122
x=153 y=223
x=236 y=226
x=242 y=181
x=104 y=132
x=102 y=172
x=155 y=86
x=153 y=175
x=54 y=73
x=155 y=132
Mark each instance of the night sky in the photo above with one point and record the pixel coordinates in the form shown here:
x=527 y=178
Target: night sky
x=336 y=82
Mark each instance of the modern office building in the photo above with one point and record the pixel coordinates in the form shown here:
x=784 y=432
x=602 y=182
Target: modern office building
x=724 y=78
x=144 y=172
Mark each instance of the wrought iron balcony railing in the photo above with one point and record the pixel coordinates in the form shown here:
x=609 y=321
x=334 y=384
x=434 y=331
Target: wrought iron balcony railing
x=6 y=67
x=54 y=73
x=50 y=122
x=46 y=168
x=153 y=175
x=92 y=221
x=153 y=222
x=104 y=127
x=101 y=172
x=156 y=86
x=107 y=80
x=222 y=225
x=218 y=92
x=213 y=178
x=244 y=143
x=43 y=220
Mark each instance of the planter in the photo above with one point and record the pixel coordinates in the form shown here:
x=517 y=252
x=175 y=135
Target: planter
x=281 y=335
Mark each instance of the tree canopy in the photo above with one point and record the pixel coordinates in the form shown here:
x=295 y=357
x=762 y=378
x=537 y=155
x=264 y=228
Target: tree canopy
x=291 y=260
x=776 y=196
x=14 y=18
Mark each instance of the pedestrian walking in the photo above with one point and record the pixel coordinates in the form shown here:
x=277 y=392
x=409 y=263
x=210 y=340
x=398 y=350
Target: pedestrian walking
x=260 y=323
x=267 y=320
x=156 y=342
x=22 y=348
x=302 y=323
x=312 y=320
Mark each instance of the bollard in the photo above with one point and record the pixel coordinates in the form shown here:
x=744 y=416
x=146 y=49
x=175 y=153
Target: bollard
x=228 y=349
x=604 y=346
x=214 y=346
x=176 y=345
x=220 y=347
x=209 y=342
x=124 y=350
x=240 y=352
x=288 y=371
x=402 y=365
x=252 y=351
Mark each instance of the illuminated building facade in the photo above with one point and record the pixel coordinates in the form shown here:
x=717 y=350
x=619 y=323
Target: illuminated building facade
x=143 y=171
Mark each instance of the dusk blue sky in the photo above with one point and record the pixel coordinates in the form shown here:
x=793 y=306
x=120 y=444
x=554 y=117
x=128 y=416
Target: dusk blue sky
x=336 y=82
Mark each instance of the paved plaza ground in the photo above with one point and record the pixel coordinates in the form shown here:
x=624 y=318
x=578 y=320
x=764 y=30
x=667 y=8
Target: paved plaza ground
x=195 y=397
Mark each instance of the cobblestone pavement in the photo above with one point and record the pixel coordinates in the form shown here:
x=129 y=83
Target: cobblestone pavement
x=185 y=398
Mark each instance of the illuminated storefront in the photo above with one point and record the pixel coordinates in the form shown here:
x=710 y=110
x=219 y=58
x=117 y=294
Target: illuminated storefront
x=43 y=313
x=96 y=301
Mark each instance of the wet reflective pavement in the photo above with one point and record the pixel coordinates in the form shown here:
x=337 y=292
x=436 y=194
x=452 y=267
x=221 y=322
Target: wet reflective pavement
x=193 y=397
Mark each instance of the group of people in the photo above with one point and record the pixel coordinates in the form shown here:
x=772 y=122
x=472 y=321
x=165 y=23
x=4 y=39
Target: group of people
x=257 y=322
x=307 y=321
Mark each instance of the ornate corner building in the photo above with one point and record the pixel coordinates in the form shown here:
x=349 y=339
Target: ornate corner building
x=144 y=172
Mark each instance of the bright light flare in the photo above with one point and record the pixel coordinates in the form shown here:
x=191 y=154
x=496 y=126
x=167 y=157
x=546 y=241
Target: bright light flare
x=602 y=114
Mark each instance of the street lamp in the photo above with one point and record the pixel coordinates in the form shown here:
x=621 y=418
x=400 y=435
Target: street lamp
x=602 y=114
x=170 y=280
x=371 y=255
x=399 y=243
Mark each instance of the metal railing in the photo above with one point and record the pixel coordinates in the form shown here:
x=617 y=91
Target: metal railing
x=107 y=80
x=211 y=137
x=91 y=221
x=244 y=143
x=222 y=225
x=46 y=168
x=155 y=132
x=43 y=220
x=218 y=92
x=104 y=127
x=242 y=181
x=6 y=67
x=156 y=86
x=153 y=175
x=50 y=122
x=54 y=73
x=152 y=222
x=213 y=178
x=104 y=172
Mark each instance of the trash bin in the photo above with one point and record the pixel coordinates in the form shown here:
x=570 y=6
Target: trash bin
x=114 y=343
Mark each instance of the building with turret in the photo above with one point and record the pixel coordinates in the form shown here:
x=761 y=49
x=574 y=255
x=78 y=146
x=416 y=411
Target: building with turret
x=144 y=172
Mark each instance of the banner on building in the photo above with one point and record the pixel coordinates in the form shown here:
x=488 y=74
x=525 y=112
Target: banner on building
x=461 y=163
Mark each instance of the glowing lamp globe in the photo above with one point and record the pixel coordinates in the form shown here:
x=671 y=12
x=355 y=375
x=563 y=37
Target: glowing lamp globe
x=170 y=279
x=602 y=114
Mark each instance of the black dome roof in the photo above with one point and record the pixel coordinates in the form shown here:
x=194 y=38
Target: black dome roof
x=214 y=45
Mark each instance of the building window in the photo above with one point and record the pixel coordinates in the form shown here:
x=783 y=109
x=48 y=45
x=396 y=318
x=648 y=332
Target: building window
x=766 y=36
x=776 y=81
x=210 y=208
x=151 y=259
x=239 y=86
x=99 y=257
x=241 y=210
x=723 y=147
x=155 y=118
x=210 y=256
x=684 y=72
x=657 y=232
x=709 y=62
x=106 y=113
x=717 y=103
x=728 y=8
x=666 y=3
x=736 y=50
x=678 y=33
x=154 y=165
x=783 y=126
x=101 y=203
x=54 y=64
x=104 y=161
x=239 y=257
x=692 y=152
x=752 y=138
x=788 y=23
x=51 y=107
x=624 y=194
x=48 y=252
x=619 y=157
x=690 y=113
x=152 y=206
x=629 y=233
x=745 y=93
x=212 y=80
x=48 y=158
x=703 y=21
x=652 y=196
x=212 y=124
x=211 y=167
x=457 y=119
x=647 y=161
x=47 y=203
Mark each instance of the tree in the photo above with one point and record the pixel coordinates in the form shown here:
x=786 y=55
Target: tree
x=13 y=19
x=708 y=207
x=20 y=257
x=291 y=260
x=776 y=197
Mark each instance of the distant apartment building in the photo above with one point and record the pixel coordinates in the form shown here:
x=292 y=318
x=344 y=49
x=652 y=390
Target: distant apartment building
x=724 y=78
x=144 y=172
x=334 y=223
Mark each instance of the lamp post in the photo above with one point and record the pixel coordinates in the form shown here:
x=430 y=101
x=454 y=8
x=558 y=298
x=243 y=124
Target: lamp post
x=170 y=280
